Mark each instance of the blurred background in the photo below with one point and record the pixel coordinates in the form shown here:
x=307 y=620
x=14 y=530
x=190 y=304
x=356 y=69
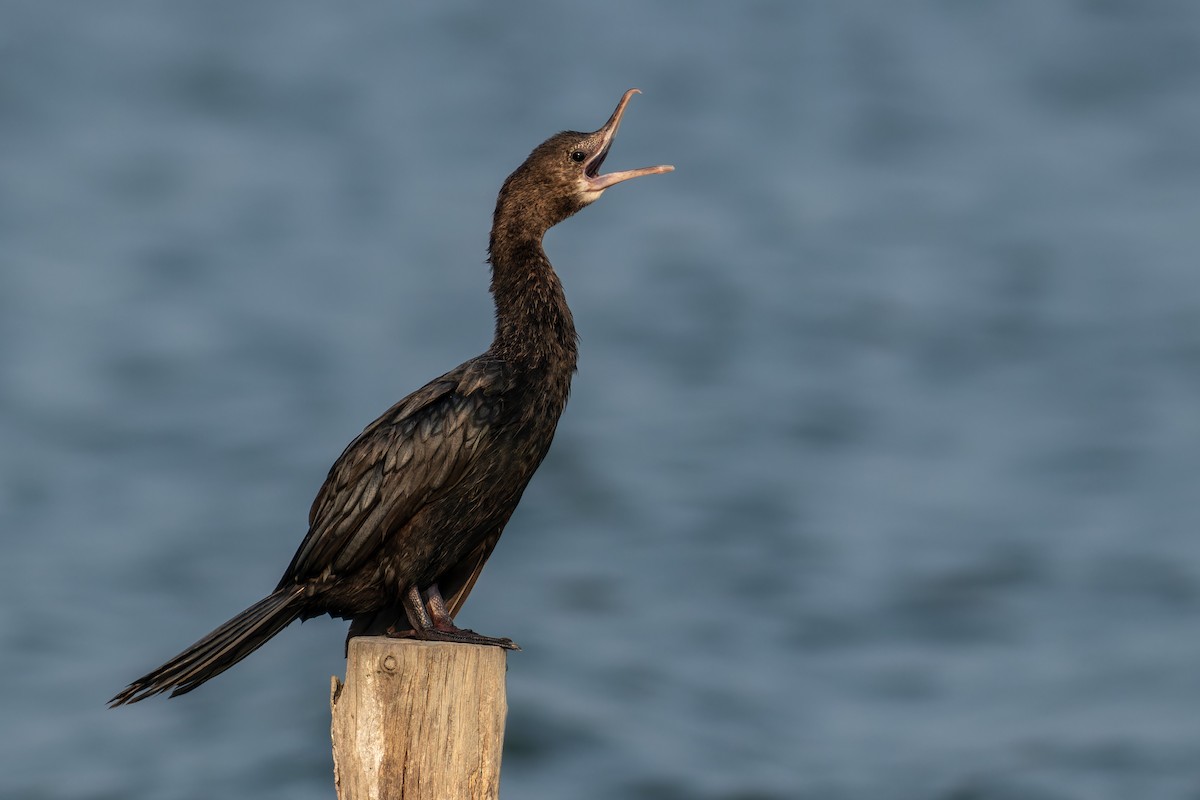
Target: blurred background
x=879 y=475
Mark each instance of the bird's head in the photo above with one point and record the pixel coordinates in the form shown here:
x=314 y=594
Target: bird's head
x=562 y=175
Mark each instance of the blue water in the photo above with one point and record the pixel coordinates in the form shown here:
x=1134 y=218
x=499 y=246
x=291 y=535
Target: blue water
x=879 y=476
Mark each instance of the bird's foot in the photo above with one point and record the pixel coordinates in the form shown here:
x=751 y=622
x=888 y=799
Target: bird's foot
x=457 y=635
x=462 y=636
x=434 y=624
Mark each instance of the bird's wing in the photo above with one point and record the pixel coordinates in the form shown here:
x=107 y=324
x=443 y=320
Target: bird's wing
x=419 y=447
x=460 y=579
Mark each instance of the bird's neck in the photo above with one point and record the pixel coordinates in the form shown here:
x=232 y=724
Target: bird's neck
x=534 y=327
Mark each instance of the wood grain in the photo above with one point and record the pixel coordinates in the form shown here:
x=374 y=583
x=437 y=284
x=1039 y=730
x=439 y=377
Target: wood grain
x=418 y=721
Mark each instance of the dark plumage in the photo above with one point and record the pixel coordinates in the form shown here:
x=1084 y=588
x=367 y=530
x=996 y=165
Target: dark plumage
x=413 y=507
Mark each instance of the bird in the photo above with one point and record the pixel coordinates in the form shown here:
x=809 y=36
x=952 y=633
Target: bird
x=413 y=507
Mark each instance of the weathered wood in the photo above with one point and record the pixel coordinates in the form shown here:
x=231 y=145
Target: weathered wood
x=418 y=721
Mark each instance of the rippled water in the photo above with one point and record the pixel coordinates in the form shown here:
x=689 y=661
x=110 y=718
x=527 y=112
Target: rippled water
x=878 y=476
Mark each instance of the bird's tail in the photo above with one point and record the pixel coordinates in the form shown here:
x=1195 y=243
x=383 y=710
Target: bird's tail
x=221 y=649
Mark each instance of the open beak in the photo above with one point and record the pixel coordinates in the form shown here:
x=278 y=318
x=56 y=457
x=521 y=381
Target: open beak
x=596 y=181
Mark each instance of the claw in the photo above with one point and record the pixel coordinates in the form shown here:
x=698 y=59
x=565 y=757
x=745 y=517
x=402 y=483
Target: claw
x=464 y=636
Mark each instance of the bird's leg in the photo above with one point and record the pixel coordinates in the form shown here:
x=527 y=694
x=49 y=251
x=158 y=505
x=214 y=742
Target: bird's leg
x=441 y=627
x=434 y=624
x=418 y=617
x=437 y=609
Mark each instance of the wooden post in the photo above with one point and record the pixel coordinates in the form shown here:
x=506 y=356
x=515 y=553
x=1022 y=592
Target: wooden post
x=418 y=721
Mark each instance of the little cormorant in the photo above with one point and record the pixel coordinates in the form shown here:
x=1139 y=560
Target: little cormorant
x=413 y=507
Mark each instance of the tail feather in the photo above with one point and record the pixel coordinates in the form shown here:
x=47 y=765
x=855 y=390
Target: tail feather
x=219 y=650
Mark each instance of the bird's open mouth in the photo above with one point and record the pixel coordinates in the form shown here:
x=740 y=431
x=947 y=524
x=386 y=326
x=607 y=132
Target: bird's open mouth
x=593 y=168
x=596 y=181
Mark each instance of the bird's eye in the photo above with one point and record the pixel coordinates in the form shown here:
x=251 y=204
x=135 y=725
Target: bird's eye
x=578 y=156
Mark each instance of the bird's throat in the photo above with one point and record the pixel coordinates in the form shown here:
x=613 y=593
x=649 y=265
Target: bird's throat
x=534 y=326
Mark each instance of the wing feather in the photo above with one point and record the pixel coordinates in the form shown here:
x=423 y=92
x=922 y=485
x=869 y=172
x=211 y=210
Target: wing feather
x=421 y=446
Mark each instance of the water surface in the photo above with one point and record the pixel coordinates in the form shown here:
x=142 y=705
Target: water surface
x=878 y=478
